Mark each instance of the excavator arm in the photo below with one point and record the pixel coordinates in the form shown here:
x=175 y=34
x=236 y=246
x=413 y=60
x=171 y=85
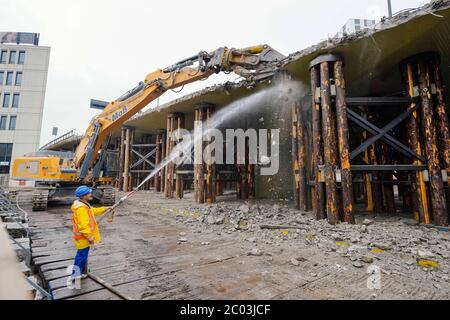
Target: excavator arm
x=254 y=63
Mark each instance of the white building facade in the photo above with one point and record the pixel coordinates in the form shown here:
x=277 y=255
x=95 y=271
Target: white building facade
x=355 y=25
x=23 y=80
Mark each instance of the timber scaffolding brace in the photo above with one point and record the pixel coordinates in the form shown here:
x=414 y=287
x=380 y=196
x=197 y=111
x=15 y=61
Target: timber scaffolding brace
x=410 y=151
x=136 y=160
x=357 y=154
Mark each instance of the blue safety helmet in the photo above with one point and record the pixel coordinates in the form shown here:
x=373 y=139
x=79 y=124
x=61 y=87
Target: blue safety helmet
x=82 y=191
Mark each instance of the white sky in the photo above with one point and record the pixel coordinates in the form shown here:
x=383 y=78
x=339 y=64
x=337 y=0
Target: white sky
x=103 y=48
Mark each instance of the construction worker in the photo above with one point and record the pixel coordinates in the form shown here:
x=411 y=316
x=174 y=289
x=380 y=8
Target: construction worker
x=85 y=229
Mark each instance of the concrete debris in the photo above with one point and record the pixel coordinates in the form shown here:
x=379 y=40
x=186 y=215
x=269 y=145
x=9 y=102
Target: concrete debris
x=244 y=208
x=424 y=254
x=295 y=262
x=367 y=259
x=274 y=224
x=255 y=252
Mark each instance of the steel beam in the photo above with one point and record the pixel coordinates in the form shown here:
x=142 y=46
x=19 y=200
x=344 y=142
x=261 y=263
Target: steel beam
x=383 y=132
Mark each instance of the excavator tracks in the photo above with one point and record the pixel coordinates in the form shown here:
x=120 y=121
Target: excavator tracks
x=109 y=196
x=40 y=199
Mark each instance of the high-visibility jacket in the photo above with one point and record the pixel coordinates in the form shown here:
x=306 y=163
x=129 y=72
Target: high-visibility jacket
x=84 y=223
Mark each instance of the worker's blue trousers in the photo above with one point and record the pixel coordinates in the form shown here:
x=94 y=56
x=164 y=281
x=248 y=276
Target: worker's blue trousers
x=81 y=260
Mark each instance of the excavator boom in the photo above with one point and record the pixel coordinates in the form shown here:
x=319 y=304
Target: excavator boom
x=57 y=176
x=253 y=64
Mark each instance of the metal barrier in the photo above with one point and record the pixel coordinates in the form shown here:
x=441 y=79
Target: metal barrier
x=10 y=210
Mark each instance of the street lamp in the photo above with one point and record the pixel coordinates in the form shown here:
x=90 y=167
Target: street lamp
x=389 y=8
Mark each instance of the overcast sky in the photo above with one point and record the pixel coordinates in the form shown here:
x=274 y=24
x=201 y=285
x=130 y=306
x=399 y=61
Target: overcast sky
x=103 y=48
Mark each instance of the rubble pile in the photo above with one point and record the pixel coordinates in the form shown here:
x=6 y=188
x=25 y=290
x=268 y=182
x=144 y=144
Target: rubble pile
x=398 y=245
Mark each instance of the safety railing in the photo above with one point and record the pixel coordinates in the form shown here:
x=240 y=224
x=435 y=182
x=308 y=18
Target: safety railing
x=65 y=136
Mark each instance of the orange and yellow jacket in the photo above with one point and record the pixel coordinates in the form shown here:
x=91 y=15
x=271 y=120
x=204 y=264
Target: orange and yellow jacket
x=84 y=223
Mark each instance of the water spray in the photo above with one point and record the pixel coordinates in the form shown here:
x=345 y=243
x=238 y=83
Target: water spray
x=285 y=92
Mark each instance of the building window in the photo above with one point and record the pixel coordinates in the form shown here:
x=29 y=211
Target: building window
x=6 y=98
x=3 y=120
x=12 y=122
x=21 y=57
x=15 y=102
x=2 y=74
x=3 y=56
x=19 y=78
x=5 y=157
x=357 y=21
x=9 y=78
x=12 y=56
x=357 y=28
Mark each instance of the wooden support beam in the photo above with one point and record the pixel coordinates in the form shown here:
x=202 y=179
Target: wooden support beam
x=199 y=168
x=294 y=152
x=438 y=202
x=179 y=186
x=163 y=157
x=132 y=133
x=318 y=192
x=299 y=157
x=344 y=144
x=210 y=168
x=368 y=195
x=127 y=160
x=329 y=138
x=251 y=181
x=158 y=158
x=168 y=189
x=245 y=189
x=442 y=123
x=419 y=200
x=122 y=157
x=175 y=121
x=197 y=147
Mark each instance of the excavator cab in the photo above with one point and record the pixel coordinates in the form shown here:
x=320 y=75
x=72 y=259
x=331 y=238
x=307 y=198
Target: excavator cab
x=45 y=166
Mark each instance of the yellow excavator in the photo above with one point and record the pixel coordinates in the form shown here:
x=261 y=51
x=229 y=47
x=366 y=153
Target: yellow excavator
x=57 y=174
